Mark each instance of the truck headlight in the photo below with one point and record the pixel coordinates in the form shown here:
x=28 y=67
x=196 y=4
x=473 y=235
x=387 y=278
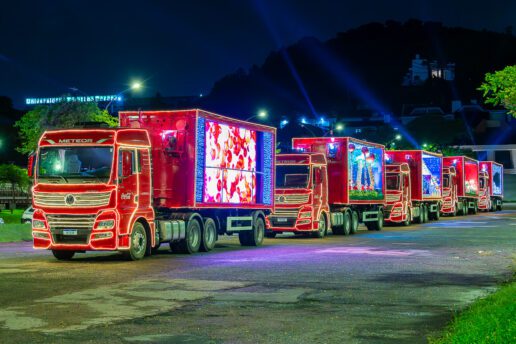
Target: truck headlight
x=305 y=214
x=106 y=224
x=38 y=224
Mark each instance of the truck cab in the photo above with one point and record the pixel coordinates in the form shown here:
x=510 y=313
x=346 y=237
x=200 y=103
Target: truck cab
x=484 y=192
x=91 y=188
x=450 y=199
x=399 y=202
x=301 y=199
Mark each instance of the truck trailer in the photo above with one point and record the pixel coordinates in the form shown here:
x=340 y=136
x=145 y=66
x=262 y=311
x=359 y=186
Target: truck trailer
x=414 y=186
x=328 y=183
x=466 y=182
x=491 y=186
x=177 y=177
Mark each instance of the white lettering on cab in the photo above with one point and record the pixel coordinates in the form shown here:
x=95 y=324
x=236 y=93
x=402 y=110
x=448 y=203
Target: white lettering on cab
x=126 y=195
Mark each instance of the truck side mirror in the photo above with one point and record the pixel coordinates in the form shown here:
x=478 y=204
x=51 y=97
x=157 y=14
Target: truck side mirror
x=30 y=165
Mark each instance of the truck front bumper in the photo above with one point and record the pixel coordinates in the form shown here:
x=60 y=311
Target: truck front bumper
x=291 y=220
x=394 y=214
x=85 y=232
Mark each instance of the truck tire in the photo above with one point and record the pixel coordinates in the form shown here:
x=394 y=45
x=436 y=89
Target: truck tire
x=376 y=225
x=354 y=222
x=474 y=211
x=255 y=236
x=192 y=242
x=407 y=221
x=499 y=207
x=437 y=214
x=63 y=255
x=421 y=218
x=209 y=235
x=464 y=209
x=345 y=229
x=321 y=227
x=137 y=242
x=425 y=214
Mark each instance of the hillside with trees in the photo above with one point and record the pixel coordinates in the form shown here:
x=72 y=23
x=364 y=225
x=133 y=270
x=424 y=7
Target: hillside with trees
x=360 y=72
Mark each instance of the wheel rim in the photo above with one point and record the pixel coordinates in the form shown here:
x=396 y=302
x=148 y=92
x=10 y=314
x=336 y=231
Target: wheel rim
x=138 y=242
x=193 y=238
x=210 y=235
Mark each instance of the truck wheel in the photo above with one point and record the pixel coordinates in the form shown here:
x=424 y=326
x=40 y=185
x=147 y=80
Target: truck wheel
x=425 y=214
x=499 y=207
x=321 y=227
x=209 y=235
x=437 y=215
x=354 y=222
x=421 y=218
x=407 y=221
x=137 y=242
x=253 y=237
x=474 y=211
x=192 y=242
x=347 y=223
x=378 y=224
x=63 y=255
x=464 y=209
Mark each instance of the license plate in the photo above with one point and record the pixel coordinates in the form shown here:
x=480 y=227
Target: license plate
x=281 y=219
x=69 y=231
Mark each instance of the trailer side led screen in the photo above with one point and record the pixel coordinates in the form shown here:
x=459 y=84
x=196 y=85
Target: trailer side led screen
x=230 y=164
x=497 y=183
x=471 y=178
x=431 y=176
x=365 y=172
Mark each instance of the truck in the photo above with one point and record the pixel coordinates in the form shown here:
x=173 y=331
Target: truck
x=450 y=199
x=328 y=183
x=491 y=186
x=177 y=177
x=414 y=186
x=465 y=185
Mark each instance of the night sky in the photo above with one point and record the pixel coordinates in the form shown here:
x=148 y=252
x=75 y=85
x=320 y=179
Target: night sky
x=183 y=47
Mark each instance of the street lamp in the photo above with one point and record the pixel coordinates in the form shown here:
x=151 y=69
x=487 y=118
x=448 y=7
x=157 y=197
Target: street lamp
x=135 y=86
x=261 y=114
x=425 y=145
x=398 y=137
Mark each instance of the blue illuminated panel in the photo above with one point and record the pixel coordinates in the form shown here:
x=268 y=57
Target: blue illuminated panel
x=200 y=148
x=432 y=167
x=268 y=156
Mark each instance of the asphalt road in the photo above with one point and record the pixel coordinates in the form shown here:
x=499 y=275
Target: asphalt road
x=396 y=286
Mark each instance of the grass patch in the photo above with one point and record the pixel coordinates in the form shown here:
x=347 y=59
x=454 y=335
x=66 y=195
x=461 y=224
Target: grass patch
x=488 y=320
x=15 y=232
x=11 y=218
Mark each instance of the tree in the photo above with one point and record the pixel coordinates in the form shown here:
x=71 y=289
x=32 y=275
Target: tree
x=500 y=88
x=61 y=115
x=15 y=176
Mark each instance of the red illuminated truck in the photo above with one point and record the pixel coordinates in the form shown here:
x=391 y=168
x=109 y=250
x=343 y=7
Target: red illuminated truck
x=450 y=198
x=413 y=182
x=180 y=177
x=466 y=187
x=491 y=186
x=330 y=183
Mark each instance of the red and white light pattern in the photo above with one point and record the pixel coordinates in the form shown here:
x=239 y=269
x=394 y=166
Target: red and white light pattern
x=230 y=175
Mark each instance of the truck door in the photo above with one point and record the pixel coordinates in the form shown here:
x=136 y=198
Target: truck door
x=317 y=187
x=128 y=193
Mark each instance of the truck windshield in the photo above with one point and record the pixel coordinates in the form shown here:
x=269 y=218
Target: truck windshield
x=446 y=181
x=482 y=183
x=72 y=165
x=392 y=181
x=292 y=176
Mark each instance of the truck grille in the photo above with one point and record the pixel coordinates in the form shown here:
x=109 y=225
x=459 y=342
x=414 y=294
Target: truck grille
x=291 y=199
x=83 y=224
x=284 y=217
x=392 y=198
x=88 y=199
